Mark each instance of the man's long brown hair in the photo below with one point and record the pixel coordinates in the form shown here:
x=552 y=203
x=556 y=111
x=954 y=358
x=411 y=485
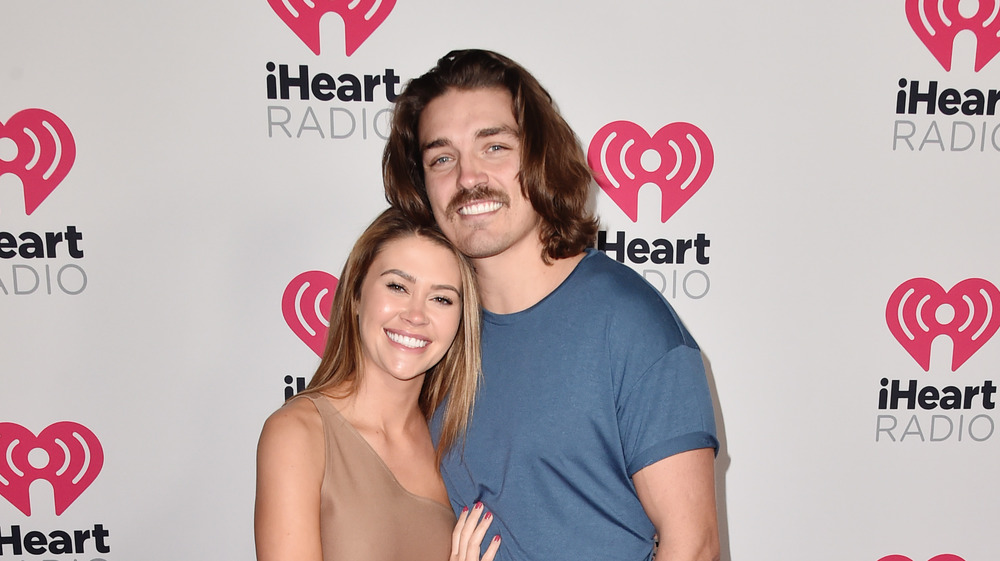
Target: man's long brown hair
x=554 y=173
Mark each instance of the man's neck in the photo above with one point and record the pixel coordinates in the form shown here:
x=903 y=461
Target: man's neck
x=517 y=279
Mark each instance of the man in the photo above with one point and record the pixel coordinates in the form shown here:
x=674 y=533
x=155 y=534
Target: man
x=593 y=430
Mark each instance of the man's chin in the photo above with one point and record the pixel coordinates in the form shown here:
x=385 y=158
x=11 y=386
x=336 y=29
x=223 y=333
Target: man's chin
x=474 y=246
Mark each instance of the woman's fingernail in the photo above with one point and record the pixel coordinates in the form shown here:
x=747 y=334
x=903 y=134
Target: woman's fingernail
x=496 y=538
x=465 y=509
x=478 y=505
x=488 y=516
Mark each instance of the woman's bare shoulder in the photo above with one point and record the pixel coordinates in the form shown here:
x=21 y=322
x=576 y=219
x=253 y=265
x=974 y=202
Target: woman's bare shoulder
x=295 y=428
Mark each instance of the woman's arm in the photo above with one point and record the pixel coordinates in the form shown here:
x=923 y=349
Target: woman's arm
x=290 y=464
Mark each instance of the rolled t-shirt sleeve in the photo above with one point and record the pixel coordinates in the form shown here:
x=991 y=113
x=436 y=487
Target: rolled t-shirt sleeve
x=666 y=409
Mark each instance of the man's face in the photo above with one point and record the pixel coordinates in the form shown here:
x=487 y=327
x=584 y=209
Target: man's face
x=471 y=157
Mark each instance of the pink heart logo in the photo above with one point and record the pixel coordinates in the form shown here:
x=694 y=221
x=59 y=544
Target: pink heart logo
x=361 y=18
x=73 y=458
x=938 y=22
x=678 y=159
x=45 y=153
x=942 y=557
x=919 y=310
x=306 y=306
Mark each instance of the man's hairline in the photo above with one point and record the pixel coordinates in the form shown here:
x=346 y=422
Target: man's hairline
x=419 y=114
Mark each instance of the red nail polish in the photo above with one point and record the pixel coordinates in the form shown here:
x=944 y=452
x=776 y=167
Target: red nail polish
x=478 y=505
x=488 y=516
x=465 y=509
x=496 y=538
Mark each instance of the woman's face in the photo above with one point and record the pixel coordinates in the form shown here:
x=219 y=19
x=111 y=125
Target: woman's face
x=409 y=309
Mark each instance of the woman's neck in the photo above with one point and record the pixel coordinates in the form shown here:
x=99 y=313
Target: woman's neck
x=383 y=407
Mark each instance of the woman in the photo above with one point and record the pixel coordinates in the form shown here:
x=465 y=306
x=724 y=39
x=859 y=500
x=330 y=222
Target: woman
x=347 y=470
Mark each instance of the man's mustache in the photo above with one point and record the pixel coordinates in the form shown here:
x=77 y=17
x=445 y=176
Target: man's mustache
x=477 y=193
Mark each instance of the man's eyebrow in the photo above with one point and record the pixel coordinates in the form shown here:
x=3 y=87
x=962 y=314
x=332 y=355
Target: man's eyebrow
x=481 y=133
x=494 y=131
x=436 y=143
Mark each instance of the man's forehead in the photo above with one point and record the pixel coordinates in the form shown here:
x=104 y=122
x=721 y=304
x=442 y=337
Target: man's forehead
x=486 y=110
x=494 y=95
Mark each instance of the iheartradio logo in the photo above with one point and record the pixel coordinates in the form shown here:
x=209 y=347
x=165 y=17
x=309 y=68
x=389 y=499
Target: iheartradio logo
x=919 y=310
x=678 y=159
x=361 y=18
x=938 y=22
x=66 y=454
x=306 y=306
x=44 y=153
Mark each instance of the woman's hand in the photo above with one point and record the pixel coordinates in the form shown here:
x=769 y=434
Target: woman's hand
x=469 y=533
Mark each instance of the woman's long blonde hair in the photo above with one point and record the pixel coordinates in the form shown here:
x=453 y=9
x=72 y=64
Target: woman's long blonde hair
x=455 y=377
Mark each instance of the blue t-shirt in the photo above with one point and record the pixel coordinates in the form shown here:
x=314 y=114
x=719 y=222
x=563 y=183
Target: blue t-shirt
x=581 y=391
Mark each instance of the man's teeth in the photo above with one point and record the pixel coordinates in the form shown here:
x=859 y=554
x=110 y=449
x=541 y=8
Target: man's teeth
x=411 y=342
x=480 y=208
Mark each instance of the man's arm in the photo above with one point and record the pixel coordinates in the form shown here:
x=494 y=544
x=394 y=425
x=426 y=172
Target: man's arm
x=678 y=494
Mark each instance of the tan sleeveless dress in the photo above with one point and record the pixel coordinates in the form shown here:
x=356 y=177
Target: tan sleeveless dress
x=365 y=514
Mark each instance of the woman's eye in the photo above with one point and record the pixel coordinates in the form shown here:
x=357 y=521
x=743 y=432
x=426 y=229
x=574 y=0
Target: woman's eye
x=443 y=300
x=395 y=287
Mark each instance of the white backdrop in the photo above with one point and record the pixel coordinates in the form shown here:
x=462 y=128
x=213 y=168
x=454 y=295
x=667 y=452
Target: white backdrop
x=141 y=295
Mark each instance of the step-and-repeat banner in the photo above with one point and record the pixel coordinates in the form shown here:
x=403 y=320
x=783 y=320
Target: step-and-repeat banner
x=813 y=185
